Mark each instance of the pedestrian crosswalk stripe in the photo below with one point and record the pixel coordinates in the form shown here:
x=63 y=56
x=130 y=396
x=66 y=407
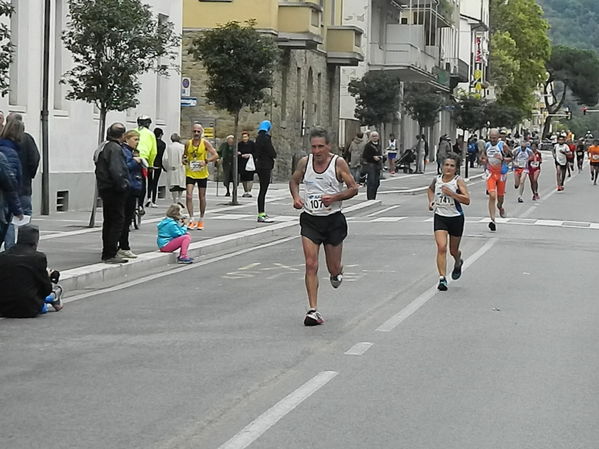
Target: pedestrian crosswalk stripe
x=367 y=219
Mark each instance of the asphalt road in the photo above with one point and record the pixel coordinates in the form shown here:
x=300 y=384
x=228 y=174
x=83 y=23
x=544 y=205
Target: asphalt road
x=215 y=355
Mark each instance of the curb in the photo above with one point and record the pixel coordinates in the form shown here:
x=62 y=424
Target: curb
x=83 y=278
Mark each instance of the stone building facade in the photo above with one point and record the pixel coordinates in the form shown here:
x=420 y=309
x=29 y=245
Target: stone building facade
x=305 y=94
x=306 y=91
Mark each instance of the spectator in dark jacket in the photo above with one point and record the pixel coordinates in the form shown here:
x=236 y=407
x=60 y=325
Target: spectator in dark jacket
x=112 y=176
x=373 y=157
x=26 y=284
x=134 y=166
x=9 y=196
x=156 y=169
x=265 y=161
x=29 y=156
x=246 y=149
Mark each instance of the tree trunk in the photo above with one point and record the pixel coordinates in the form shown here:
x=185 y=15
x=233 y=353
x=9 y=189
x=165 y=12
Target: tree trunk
x=101 y=136
x=555 y=106
x=234 y=201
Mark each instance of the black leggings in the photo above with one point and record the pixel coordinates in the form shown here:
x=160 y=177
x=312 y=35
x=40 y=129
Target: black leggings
x=264 y=177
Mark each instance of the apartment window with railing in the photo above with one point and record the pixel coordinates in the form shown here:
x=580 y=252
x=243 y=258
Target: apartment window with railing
x=59 y=50
x=18 y=68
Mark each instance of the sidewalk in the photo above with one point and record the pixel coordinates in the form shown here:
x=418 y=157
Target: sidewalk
x=74 y=249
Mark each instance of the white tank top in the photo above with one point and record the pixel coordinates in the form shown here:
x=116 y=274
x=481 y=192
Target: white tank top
x=445 y=205
x=319 y=184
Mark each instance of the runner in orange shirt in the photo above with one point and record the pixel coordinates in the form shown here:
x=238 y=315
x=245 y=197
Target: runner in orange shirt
x=593 y=152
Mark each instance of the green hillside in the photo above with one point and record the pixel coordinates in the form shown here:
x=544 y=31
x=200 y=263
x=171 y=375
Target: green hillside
x=574 y=23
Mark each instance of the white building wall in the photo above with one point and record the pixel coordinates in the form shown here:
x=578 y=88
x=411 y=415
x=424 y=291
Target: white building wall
x=73 y=126
x=356 y=13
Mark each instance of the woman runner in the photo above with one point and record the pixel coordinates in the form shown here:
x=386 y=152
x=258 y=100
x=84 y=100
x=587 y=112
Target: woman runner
x=534 y=170
x=446 y=194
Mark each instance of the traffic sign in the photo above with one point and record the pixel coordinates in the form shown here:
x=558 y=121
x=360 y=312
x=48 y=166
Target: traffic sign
x=185 y=86
x=189 y=102
x=209 y=132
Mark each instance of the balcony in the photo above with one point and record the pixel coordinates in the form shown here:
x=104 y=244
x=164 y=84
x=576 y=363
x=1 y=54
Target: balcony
x=404 y=52
x=300 y=25
x=344 y=45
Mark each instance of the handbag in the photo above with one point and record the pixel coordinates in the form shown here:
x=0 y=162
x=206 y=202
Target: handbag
x=250 y=165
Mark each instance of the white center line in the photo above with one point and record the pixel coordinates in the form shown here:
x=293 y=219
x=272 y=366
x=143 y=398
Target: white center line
x=378 y=212
x=359 y=348
x=269 y=418
x=411 y=308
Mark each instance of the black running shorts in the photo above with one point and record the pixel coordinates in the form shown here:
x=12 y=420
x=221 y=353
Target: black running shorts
x=328 y=230
x=202 y=183
x=453 y=225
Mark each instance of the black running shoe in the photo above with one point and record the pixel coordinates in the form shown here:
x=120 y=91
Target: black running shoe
x=313 y=318
x=492 y=226
x=442 y=284
x=457 y=270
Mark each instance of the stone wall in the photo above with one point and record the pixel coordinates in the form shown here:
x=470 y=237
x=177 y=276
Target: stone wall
x=305 y=94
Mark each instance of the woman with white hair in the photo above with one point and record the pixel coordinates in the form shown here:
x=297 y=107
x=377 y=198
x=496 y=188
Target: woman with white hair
x=226 y=152
x=373 y=157
x=172 y=162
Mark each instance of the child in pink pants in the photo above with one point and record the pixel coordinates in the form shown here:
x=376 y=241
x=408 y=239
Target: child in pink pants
x=172 y=234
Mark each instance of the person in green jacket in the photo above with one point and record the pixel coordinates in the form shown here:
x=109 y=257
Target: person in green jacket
x=148 y=149
x=226 y=152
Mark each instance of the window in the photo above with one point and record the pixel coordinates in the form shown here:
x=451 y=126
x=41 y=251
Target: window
x=315 y=18
x=358 y=39
x=161 y=88
x=284 y=80
x=18 y=69
x=59 y=93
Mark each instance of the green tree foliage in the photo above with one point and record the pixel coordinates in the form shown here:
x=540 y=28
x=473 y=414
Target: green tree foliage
x=474 y=113
x=6 y=47
x=522 y=22
x=423 y=104
x=112 y=43
x=470 y=113
x=377 y=97
x=502 y=115
x=571 y=70
x=240 y=63
x=573 y=22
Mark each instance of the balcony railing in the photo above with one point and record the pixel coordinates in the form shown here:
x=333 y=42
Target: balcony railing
x=300 y=24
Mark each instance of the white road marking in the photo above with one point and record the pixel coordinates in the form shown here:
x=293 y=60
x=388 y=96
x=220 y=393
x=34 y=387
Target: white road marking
x=250 y=266
x=150 y=220
x=260 y=425
x=388 y=219
x=173 y=271
x=359 y=348
x=549 y=222
x=378 y=212
x=421 y=300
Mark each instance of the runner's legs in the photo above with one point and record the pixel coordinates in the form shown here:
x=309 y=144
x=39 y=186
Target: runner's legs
x=311 y=251
x=189 y=199
x=333 y=258
x=441 y=241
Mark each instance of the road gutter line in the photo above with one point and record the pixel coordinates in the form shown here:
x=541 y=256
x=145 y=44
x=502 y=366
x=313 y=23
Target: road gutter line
x=269 y=418
x=421 y=300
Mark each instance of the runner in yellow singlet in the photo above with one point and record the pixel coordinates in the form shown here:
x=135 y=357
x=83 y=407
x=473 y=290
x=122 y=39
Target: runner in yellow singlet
x=198 y=154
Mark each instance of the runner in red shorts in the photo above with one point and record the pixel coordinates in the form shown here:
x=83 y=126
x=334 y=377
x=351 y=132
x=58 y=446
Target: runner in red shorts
x=522 y=156
x=496 y=157
x=534 y=170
